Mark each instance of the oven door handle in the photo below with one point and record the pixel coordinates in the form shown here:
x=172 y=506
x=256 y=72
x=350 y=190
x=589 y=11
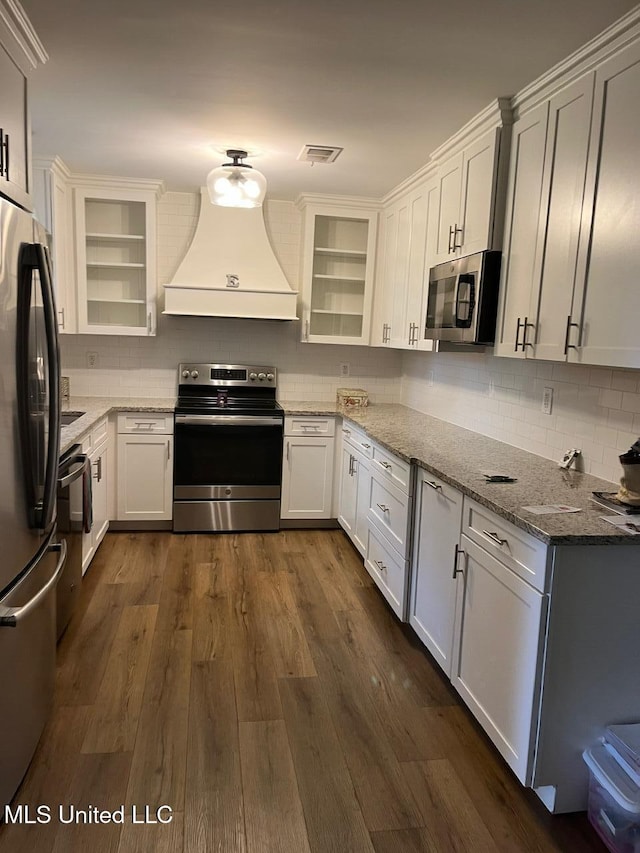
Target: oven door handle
x=227 y=420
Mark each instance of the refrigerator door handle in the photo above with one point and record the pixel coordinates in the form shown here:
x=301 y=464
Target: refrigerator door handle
x=34 y=257
x=10 y=617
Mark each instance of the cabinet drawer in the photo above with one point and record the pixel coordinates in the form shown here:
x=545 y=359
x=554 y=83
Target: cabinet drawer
x=522 y=553
x=395 y=470
x=134 y=422
x=297 y=425
x=389 y=511
x=358 y=439
x=389 y=571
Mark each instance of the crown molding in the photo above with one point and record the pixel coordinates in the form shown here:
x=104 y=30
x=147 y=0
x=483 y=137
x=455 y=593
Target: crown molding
x=497 y=114
x=111 y=182
x=421 y=176
x=579 y=63
x=55 y=164
x=346 y=201
x=19 y=37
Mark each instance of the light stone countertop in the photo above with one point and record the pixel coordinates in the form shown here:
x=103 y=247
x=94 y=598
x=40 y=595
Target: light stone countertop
x=456 y=455
x=95 y=408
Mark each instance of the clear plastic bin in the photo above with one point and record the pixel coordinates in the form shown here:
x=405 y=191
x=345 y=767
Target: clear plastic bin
x=614 y=800
x=625 y=739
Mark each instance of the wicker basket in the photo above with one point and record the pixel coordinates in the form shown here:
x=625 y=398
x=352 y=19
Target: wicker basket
x=351 y=398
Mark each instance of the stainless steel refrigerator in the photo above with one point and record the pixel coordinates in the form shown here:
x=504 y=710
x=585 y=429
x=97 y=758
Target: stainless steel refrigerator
x=31 y=559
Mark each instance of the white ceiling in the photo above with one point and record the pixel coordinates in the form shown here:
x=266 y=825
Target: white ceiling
x=151 y=88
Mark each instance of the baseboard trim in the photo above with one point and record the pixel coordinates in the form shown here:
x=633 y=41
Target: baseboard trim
x=308 y=523
x=140 y=525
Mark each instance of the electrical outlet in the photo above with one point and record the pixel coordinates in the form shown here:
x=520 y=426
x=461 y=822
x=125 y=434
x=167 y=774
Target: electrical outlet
x=547 y=400
x=92 y=359
x=344 y=369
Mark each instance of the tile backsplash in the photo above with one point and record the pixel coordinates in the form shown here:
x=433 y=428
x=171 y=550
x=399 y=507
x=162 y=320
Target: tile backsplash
x=594 y=409
x=146 y=367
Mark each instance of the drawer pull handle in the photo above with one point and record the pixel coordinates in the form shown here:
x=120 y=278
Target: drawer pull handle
x=346 y=432
x=433 y=485
x=383 y=507
x=456 y=570
x=368 y=446
x=380 y=565
x=147 y=424
x=495 y=538
x=310 y=427
x=386 y=465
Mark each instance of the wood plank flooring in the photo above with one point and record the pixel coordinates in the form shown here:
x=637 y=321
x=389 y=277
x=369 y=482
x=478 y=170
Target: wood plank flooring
x=259 y=685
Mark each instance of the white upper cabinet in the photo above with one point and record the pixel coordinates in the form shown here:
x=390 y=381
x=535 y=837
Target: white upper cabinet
x=471 y=186
x=573 y=216
x=116 y=260
x=20 y=53
x=337 y=272
x=408 y=233
x=607 y=301
x=53 y=209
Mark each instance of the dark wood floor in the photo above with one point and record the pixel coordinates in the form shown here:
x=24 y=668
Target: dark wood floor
x=260 y=686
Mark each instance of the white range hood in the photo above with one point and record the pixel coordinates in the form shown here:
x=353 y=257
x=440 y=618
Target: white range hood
x=230 y=269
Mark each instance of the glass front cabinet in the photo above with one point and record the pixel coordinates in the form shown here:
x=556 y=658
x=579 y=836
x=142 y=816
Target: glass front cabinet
x=116 y=260
x=338 y=253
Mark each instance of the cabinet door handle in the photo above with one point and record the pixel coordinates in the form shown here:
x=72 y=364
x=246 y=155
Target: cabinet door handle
x=518 y=326
x=456 y=551
x=526 y=325
x=386 y=465
x=306 y=330
x=98 y=475
x=4 y=154
x=168 y=450
x=567 y=345
x=495 y=538
x=352 y=465
x=287 y=451
x=456 y=231
x=383 y=507
x=381 y=566
x=61 y=320
x=433 y=485
x=451 y=235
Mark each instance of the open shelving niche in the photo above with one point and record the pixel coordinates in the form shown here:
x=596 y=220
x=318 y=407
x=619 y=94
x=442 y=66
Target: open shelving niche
x=116 y=268
x=338 y=285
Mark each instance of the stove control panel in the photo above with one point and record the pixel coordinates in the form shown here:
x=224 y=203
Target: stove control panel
x=229 y=375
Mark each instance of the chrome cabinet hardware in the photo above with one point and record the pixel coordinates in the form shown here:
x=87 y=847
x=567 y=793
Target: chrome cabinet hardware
x=61 y=318
x=456 y=231
x=168 y=450
x=386 y=333
x=526 y=325
x=309 y=427
x=456 y=552
x=98 y=472
x=346 y=431
x=149 y=323
x=518 y=326
x=287 y=451
x=147 y=424
x=386 y=465
x=306 y=330
x=381 y=566
x=495 y=538
x=433 y=485
x=570 y=325
x=383 y=507
x=451 y=238
x=366 y=445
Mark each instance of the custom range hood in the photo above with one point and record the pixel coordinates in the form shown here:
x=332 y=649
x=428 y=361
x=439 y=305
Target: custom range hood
x=230 y=269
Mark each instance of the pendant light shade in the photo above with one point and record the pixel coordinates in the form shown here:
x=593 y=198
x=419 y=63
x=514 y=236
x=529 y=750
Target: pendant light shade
x=236 y=184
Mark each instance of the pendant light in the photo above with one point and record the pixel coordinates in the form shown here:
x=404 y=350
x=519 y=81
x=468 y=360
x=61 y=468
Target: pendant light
x=236 y=184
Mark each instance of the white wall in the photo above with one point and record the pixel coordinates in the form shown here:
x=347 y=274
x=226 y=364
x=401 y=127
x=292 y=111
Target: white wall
x=146 y=367
x=594 y=409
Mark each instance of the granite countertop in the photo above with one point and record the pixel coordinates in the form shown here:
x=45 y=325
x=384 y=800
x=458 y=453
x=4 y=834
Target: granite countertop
x=95 y=408
x=456 y=455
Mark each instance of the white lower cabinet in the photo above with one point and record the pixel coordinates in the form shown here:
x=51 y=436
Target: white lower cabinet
x=98 y=448
x=435 y=553
x=145 y=467
x=498 y=650
x=307 y=468
x=388 y=569
x=354 y=487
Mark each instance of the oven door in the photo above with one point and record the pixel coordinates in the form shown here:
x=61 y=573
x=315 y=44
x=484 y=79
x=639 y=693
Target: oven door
x=227 y=457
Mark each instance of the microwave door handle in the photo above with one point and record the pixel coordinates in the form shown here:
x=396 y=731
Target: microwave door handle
x=470 y=302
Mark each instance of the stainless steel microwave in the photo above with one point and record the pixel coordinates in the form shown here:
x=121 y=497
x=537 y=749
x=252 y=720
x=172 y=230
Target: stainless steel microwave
x=462 y=299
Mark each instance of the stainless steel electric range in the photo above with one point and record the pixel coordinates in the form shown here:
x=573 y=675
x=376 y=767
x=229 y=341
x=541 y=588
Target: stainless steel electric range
x=227 y=449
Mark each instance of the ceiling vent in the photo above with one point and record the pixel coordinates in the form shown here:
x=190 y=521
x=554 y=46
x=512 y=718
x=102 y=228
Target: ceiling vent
x=320 y=153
